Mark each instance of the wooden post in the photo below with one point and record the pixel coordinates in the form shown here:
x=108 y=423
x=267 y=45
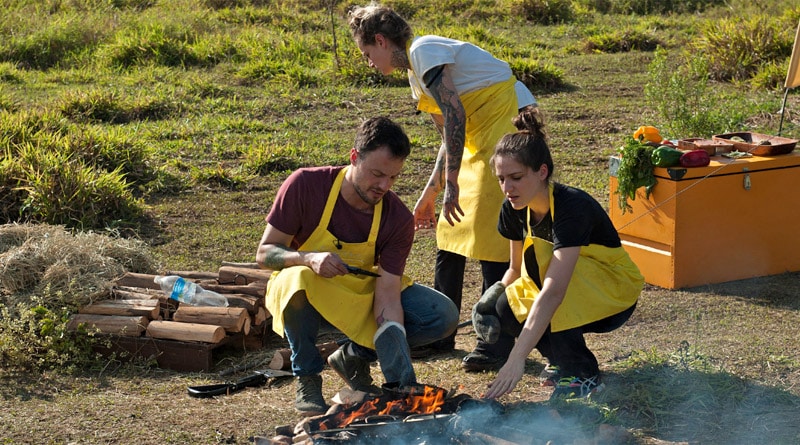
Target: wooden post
x=146 y=308
x=283 y=357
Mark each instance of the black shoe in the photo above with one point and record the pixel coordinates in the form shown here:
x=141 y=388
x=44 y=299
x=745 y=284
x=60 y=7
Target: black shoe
x=439 y=347
x=479 y=361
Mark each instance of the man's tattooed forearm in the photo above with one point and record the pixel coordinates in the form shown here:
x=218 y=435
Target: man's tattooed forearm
x=275 y=257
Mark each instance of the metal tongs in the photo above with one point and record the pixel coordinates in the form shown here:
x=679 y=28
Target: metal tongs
x=360 y=271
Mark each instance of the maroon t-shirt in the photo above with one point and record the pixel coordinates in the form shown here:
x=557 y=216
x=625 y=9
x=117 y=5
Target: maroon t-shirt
x=301 y=199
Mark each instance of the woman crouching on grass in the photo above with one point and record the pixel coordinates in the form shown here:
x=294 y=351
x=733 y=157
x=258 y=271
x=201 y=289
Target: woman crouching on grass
x=568 y=274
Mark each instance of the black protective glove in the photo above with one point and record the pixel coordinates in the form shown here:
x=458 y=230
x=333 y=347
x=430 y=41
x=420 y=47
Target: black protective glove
x=484 y=315
x=394 y=354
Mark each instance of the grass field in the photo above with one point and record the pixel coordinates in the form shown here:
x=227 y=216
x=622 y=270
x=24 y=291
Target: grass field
x=207 y=106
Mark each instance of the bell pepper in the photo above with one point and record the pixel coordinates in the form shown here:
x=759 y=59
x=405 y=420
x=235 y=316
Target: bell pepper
x=647 y=133
x=695 y=158
x=666 y=156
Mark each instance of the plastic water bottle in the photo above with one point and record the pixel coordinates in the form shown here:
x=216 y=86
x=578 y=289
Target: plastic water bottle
x=189 y=292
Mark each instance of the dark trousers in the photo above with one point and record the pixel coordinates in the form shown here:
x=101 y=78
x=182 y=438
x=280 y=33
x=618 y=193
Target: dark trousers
x=449 y=280
x=565 y=349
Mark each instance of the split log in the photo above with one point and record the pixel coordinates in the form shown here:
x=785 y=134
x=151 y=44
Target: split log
x=131 y=326
x=193 y=274
x=232 y=319
x=137 y=294
x=255 y=289
x=133 y=279
x=261 y=316
x=175 y=330
x=146 y=308
x=283 y=357
x=242 y=275
x=252 y=265
x=249 y=302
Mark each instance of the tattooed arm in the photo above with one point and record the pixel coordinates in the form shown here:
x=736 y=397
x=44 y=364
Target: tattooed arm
x=453 y=130
x=273 y=253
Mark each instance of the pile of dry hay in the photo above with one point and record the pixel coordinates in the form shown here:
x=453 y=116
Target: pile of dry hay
x=62 y=267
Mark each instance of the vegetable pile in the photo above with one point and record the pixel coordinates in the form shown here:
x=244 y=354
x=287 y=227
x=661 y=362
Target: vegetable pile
x=635 y=170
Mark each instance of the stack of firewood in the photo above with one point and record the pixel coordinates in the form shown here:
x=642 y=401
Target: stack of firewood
x=139 y=308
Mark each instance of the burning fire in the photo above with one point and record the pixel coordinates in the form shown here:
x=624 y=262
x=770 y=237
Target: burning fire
x=419 y=400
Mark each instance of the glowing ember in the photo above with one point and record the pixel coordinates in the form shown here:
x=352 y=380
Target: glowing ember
x=418 y=400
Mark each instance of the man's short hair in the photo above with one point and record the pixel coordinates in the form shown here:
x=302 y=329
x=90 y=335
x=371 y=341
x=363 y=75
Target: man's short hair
x=379 y=132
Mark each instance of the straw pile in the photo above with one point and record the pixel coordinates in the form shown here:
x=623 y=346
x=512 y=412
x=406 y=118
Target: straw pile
x=66 y=268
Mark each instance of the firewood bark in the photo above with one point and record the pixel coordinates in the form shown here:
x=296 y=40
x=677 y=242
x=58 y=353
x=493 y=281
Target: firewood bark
x=130 y=326
x=283 y=357
x=193 y=274
x=261 y=316
x=175 y=330
x=146 y=308
x=249 y=302
x=252 y=265
x=232 y=319
x=255 y=289
x=132 y=279
x=138 y=294
x=242 y=275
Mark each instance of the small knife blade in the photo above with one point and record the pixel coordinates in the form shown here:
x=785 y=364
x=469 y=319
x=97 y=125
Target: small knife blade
x=360 y=271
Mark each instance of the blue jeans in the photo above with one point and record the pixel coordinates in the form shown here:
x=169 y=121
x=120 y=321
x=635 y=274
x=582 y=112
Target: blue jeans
x=429 y=316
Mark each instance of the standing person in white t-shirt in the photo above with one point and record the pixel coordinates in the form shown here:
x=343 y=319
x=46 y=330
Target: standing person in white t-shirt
x=472 y=97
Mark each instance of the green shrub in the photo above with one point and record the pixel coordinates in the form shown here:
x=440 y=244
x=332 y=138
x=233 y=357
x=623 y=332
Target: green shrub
x=150 y=44
x=618 y=41
x=645 y=7
x=60 y=189
x=683 y=97
x=114 y=108
x=545 y=12
x=771 y=76
x=49 y=44
x=537 y=75
x=736 y=48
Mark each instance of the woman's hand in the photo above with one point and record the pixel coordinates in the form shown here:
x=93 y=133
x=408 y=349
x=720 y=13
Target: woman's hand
x=507 y=378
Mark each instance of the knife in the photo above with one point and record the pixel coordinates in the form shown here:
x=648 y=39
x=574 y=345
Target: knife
x=360 y=271
x=257 y=379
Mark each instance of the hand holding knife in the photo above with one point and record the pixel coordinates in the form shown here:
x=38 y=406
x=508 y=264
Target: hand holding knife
x=360 y=271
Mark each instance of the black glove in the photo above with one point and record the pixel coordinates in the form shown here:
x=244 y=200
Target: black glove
x=484 y=316
x=394 y=354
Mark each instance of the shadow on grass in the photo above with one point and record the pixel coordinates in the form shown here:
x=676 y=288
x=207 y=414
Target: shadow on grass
x=675 y=403
x=776 y=291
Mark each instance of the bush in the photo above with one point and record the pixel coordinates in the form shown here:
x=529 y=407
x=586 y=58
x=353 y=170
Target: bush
x=545 y=12
x=684 y=99
x=621 y=41
x=645 y=7
x=537 y=76
x=737 y=48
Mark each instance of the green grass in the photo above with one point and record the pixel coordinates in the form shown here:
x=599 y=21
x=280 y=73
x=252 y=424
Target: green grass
x=187 y=116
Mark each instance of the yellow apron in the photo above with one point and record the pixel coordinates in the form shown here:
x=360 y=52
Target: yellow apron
x=605 y=282
x=489 y=114
x=345 y=301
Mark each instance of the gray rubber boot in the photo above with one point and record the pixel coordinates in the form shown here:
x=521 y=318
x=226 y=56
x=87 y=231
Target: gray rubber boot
x=394 y=355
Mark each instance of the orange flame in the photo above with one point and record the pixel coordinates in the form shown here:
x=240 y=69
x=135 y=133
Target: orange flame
x=428 y=402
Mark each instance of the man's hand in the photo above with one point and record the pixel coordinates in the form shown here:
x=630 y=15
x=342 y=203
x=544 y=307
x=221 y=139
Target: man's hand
x=425 y=212
x=325 y=264
x=507 y=379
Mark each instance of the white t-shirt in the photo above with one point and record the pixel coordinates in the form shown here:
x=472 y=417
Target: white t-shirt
x=474 y=68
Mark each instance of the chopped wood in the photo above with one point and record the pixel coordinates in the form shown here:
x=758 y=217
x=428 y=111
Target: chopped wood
x=193 y=274
x=283 y=357
x=255 y=289
x=261 y=316
x=132 y=279
x=175 y=330
x=147 y=308
x=249 y=302
x=252 y=265
x=131 y=326
x=232 y=319
x=137 y=294
x=242 y=275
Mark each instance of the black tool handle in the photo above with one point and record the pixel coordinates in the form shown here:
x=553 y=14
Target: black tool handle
x=202 y=391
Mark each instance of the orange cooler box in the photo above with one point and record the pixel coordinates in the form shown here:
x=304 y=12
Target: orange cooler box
x=734 y=219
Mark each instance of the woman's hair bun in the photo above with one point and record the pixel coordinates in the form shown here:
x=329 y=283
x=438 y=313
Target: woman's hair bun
x=530 y=120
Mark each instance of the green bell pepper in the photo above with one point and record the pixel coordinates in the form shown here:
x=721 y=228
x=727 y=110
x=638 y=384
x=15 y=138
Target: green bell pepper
x=666 y=156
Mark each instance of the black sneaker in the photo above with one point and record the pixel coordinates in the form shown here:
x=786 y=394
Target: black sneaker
x=478 y=361
x=308 y=400
x=353 y=369
x=577 y=388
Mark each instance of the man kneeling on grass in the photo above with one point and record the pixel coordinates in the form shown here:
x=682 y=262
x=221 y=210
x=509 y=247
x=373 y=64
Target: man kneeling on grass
x=325 y=222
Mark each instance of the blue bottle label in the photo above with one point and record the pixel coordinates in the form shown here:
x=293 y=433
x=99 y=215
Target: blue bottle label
x=177 y=289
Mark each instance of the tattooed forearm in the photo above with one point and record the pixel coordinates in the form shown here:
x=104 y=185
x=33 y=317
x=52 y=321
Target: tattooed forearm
x=381 y=319
x=455 y=118
x=436 y=180
x=275 y=256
